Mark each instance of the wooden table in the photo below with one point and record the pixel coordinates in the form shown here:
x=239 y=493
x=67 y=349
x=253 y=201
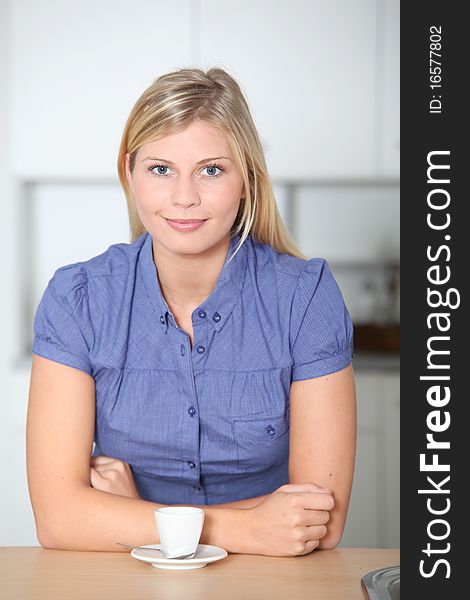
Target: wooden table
x=35 y=573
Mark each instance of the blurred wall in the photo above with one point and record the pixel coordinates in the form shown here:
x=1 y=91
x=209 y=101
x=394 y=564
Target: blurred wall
x=322 y=81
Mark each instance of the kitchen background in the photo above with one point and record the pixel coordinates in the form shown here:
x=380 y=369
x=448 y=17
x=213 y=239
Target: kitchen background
x=322 y=80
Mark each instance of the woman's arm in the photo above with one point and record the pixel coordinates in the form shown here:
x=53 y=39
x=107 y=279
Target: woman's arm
x=69 y=513
x=245 y=503
x=323 y=440
x=115 y=476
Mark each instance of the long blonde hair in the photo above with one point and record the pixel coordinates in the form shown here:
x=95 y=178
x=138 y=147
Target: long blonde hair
x=172 y=103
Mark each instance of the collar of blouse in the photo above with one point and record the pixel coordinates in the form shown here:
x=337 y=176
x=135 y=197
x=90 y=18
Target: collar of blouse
x=220 y=303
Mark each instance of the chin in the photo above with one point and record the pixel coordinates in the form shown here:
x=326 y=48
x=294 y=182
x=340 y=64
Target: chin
x=187 y=243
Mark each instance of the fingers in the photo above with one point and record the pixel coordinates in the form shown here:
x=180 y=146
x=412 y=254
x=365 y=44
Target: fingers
x=316 y=517
x=303 y=487
x=313 y=535
x=316 y=500
x=102 y=469
x=106 y=463
x=101 y=460
x=316 y=532
x=95 y=478
x=310 y=546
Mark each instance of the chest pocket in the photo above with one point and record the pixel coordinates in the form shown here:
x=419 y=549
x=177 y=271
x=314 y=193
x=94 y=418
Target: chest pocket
x=261 y=443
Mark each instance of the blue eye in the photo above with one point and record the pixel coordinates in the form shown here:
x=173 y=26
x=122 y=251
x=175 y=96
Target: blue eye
x=152 y=168
x=160 y=170
x=212 y=174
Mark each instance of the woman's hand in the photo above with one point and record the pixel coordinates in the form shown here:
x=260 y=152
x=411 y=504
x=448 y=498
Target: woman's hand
x=290 y=521
x=300 y=487
x=113 y=476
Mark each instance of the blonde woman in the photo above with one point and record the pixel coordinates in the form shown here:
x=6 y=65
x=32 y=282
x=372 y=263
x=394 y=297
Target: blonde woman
x=205 y=363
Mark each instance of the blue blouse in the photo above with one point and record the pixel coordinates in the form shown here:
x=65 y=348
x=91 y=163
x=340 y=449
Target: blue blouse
x=210 y=424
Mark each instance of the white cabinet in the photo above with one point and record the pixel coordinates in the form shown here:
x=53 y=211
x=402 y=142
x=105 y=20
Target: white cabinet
x=388 y=87
x=330 y=223
x=77 y=69
x=374 y=512
x=389 y=532
x=17 y=526
x=321 y=78
x=309 y=71
x=62 y=234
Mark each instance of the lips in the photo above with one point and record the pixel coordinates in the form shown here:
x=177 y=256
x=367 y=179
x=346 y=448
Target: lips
x=186 y=225
x=187 y=221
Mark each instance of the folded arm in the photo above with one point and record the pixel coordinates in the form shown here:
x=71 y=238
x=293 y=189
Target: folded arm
x=323 y=440
x=69 y=513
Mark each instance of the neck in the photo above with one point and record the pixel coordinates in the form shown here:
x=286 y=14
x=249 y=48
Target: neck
x=187 y=280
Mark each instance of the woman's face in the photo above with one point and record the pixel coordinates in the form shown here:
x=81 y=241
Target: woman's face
x=187 y=175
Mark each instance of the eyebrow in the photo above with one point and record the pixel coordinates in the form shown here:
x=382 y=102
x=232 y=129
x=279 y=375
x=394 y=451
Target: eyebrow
x=165 y=160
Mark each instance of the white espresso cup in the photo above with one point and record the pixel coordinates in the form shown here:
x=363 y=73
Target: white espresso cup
x=180 y=529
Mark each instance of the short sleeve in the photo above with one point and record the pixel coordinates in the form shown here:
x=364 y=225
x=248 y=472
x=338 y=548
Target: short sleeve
x=321 y=332
x=61 y=322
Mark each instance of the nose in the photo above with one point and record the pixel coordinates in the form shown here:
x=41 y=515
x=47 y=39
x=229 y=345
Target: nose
x=185 y=193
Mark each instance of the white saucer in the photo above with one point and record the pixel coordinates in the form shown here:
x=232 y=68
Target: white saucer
x=204 y=554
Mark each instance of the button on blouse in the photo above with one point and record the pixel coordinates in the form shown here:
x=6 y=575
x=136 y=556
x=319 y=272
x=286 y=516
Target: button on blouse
x=207 y=424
